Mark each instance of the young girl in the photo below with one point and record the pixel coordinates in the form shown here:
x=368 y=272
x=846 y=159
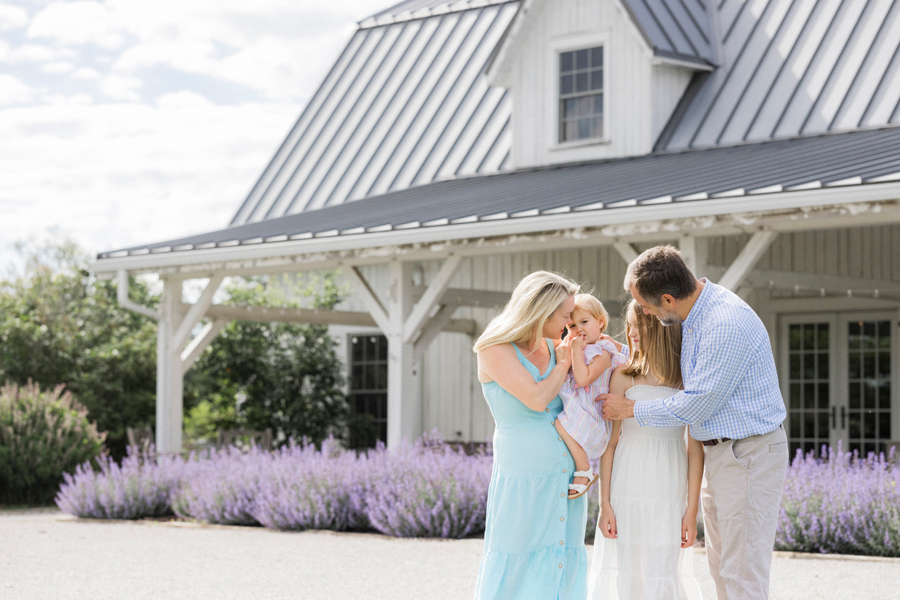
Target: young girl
x=579 y=424
x=650 y=489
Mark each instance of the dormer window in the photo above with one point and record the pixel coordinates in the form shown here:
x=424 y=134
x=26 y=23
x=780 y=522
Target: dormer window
x=581 y=94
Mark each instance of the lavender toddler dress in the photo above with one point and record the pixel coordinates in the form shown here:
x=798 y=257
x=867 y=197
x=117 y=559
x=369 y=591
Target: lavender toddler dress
x=581 y=415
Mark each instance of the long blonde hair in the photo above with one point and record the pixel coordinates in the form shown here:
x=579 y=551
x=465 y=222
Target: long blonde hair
x=536 y=297
x=660 y=350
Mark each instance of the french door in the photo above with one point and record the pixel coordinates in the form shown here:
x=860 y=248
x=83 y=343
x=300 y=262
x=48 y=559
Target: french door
x=839 y=380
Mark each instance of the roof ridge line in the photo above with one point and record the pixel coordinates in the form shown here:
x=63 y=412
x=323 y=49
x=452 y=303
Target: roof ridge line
x=448 y=7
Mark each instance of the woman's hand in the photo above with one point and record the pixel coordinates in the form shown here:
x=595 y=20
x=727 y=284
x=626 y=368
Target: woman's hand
x=688 y=530
x=564 y=352
x=607 y=523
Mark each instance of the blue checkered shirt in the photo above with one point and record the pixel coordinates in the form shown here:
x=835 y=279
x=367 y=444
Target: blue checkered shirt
x=730 y=384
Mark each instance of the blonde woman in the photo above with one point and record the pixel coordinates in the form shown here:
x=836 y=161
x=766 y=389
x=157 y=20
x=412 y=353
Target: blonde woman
x=650 y=480
x=534 y=536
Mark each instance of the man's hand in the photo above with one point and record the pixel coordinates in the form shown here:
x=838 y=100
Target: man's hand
x=615 y=407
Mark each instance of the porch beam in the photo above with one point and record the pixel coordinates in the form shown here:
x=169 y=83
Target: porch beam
x=694 y=251
x=196 y=311
x=626 y=251
x=126 y=302
x=747 y=259
x=811 y=282
x=369 y=298
x=433 y=328
x=267 y=314
x=430 y=298
x=200 y=342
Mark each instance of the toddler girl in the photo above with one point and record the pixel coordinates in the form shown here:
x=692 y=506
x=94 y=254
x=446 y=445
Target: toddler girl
x=593 y=359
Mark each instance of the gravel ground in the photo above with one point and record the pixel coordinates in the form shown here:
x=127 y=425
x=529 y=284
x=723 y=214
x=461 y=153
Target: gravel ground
x=46 y=554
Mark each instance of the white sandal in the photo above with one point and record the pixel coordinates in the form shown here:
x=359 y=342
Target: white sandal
x=582 y=489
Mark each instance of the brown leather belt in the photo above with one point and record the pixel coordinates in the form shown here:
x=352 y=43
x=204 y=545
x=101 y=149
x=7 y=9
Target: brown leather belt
x=715 y=441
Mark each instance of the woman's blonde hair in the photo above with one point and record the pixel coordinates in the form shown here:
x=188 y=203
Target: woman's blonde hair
x=536 y=297
x=593 y=307
x=660 y=348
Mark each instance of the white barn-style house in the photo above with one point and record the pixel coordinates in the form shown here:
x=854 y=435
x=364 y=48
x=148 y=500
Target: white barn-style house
x=456 y=146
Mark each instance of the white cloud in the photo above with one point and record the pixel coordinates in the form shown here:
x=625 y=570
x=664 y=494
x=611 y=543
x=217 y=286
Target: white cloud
x=60 y=66
x=12 y=17
x=32 y=53
x=86 y=74
x=77 y=23
x=126 y=174
x=121 y=87
x=13 y=91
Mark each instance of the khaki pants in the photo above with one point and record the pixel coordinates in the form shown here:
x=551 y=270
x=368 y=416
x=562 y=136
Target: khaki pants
x=741 y=501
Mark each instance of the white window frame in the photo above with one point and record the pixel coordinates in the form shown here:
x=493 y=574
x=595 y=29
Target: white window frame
x=569 y=44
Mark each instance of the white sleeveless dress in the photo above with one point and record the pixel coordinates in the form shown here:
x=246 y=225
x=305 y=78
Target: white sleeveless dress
x=648 y=493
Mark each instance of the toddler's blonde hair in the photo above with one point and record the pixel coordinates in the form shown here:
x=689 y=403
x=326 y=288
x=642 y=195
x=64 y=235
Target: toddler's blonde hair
x=595 y=308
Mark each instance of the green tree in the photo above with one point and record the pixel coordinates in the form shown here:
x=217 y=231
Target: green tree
x=60 y=325
x=281 y=375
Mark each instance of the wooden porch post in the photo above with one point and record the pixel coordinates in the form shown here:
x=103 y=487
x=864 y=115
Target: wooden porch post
x=404 y=388
x=169 y=376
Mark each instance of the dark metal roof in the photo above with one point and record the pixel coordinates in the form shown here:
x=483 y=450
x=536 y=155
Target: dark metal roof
x=739 y=171
x=405 y=104
x=675 y=28
x=795 y=67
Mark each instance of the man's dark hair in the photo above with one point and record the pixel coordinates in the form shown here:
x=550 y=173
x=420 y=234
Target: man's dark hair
x=660 y=270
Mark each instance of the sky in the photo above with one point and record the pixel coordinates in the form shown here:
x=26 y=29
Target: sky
x=130 y=121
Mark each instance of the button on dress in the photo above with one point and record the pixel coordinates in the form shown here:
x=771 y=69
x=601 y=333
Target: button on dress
x=534 y=535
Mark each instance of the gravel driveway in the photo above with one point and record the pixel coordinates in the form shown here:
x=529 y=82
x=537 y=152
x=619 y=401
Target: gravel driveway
x=45 y=554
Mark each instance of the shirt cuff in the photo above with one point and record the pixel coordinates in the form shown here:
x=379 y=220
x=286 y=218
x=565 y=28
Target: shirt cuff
x=640 y=413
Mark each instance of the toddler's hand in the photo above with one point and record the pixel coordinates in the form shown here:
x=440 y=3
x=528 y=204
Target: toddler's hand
x=578 y=344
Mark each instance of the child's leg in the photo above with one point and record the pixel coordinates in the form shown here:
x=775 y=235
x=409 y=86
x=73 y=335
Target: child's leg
x=578 y=453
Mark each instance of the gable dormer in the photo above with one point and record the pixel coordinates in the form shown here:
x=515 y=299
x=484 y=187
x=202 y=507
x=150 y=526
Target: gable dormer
x=595 y=79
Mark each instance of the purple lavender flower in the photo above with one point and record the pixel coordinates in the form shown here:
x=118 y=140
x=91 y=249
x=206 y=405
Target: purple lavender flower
x=141 y=487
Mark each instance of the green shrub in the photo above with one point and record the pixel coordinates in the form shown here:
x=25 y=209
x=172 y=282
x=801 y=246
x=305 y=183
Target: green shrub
x=42 y=435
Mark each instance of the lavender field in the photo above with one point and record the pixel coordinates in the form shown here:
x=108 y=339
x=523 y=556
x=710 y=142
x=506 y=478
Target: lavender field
x=835 y=503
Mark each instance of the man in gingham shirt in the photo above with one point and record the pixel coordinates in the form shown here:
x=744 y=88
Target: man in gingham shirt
x=732 y=402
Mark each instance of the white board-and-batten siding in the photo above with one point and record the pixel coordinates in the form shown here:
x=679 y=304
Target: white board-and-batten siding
x=451 y=394
x=639 y=96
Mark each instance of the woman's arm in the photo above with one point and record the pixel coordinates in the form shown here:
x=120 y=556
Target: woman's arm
x=584 y=374
x=499 y=363
x=695 y=476
x=607 y=522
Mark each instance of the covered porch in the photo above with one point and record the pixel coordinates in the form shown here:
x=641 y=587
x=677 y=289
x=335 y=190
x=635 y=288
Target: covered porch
x=804 y=235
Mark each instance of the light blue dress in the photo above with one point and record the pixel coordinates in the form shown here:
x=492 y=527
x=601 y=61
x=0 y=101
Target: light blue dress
x=534 y=536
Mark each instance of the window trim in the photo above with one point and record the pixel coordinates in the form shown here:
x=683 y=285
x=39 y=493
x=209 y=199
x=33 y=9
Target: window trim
x=568 y=44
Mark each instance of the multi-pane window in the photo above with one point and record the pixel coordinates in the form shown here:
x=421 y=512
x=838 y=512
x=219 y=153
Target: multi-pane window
x=808 y=381
x=581 y=94
x=368 y=388
x=869 y=385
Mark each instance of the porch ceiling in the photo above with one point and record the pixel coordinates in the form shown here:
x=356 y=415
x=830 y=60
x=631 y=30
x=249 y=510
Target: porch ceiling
x=768 y=177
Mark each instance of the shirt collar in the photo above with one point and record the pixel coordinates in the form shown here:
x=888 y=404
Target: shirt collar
x=699 y=307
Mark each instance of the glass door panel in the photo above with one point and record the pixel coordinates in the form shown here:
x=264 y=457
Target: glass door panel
x=809 y=386
x=868 y=386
